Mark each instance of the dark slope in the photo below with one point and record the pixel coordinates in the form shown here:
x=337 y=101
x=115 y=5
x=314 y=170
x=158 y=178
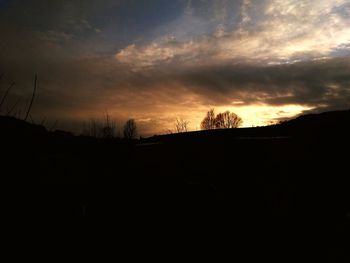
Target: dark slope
x=323 y=124
x=327 y=123
x=285 y=182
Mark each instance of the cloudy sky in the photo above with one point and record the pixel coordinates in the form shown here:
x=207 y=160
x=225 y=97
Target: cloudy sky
x=158 y=60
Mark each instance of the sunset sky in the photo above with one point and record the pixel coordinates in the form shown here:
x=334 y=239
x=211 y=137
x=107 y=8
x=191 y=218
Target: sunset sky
x=158 y=60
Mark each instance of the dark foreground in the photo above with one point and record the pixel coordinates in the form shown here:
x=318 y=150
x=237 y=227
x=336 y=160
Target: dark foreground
x=287 y=183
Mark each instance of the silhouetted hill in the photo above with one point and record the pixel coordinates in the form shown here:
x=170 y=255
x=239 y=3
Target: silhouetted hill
x=336 y=122
x=12 y=127
x=287 y=181
x=323 y=124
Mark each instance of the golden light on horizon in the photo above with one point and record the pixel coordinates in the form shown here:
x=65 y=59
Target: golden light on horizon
x=254 y=115
x=262 y=115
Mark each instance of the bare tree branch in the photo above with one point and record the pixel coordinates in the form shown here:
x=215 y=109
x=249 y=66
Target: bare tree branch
x=181 y=125
x=43 y=121
x=31 y=119
x=13 y=108
x=6 y=93
x=208 y=123
x=33 y=96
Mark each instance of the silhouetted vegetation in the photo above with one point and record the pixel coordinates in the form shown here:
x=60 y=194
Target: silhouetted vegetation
x=181 y=126
x=107 y=128
x=6 y=94
x=225 y=120
x=208 y=123
x=11 y=110
x=130 y=129
x=32 y=99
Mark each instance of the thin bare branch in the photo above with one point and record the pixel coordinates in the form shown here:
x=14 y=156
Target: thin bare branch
x=31 y=119
x=181 y=125
x=43 y=121
x=6 y=93
x=33 y=96
x=13 y=108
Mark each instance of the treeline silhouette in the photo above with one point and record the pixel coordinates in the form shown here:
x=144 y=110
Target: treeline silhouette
x=211 y=121
x=107 y=129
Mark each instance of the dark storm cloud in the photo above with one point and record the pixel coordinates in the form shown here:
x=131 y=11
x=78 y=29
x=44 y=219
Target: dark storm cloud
x=323 y=83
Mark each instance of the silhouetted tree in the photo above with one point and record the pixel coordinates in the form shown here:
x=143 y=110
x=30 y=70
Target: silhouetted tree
x=220 y=121
x=6 y=94
x=130 y=130
x=208 y=123
x=225 y=120
x=181 y=125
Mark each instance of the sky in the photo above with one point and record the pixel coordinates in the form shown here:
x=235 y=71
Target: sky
x=159 y=60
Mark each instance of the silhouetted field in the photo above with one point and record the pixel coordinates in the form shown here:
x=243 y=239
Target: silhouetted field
x=283 y=182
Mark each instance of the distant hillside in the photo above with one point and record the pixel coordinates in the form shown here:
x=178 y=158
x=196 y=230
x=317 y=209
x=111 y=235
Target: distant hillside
x=287 y=179
x=329 y=117
x=331 y=123
x=14 y=128
x=11 y=127
x=327 y=123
